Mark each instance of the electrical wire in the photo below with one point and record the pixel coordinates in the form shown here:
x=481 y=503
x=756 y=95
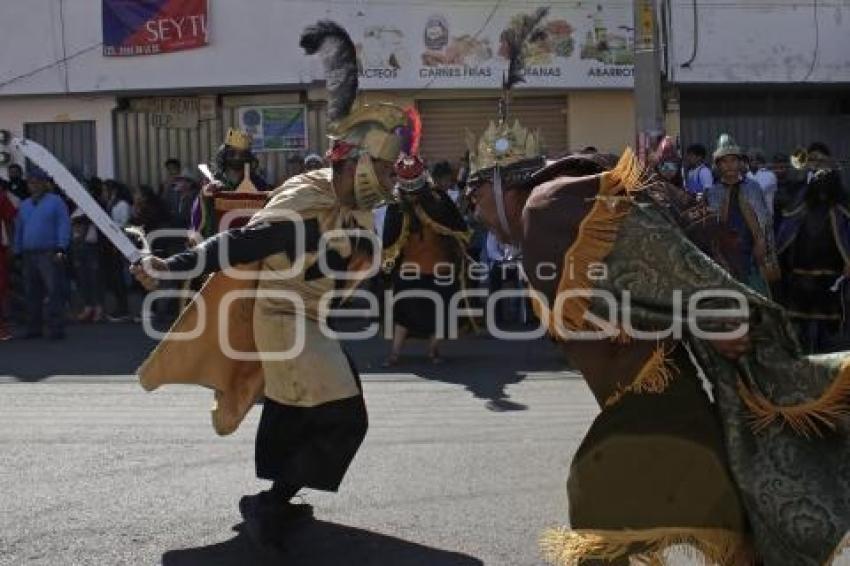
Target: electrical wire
x=687 y=64
x=64 y=45
x=51 y=65
x=817 y=44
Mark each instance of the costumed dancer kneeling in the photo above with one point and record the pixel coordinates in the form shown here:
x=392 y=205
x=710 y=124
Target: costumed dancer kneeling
x=762 y=471
x=314 y=416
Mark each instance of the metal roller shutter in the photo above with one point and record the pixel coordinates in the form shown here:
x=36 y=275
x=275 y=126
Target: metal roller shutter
x=772 y=121
x=141 y=149
x=73 y=144
x=445 y=122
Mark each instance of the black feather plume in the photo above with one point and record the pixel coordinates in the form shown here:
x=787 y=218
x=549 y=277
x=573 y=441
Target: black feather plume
x=339 y=58
x=524 y=29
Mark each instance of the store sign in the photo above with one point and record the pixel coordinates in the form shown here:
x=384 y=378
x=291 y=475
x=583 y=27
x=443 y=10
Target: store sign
x=275 y=128
x=169 y=112
x=148 y=27
x=583 y=45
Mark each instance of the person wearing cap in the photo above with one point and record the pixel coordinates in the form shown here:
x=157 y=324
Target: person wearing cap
x=424 y=242
x=233 y=158
x=292 y=259
x=42 y=237
x=748 y=252
x=313 y=162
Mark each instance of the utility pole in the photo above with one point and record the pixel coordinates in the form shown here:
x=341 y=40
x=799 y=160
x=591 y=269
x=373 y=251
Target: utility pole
x=649 y=113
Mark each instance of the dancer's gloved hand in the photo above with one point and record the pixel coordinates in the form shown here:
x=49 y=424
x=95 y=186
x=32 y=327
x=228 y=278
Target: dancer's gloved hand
x=147 y=271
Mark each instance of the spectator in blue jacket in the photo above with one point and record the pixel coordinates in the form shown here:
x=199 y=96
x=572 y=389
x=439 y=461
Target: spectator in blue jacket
x=42 y=236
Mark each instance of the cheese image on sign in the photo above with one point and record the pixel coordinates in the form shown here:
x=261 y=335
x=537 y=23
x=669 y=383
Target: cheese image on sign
x=382 y=52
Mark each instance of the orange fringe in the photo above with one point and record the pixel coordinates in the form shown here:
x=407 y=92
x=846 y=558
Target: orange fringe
x=839 y=550
x=654 y=377
x=597 y=234
x=806 y=419
x=565 y=547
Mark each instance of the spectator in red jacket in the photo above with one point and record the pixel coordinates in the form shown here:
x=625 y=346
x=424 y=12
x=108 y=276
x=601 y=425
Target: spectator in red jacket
x=8 y=209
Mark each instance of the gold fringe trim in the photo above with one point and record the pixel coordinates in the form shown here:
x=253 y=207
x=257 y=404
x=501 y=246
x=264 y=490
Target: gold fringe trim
x=806 y=419
x=654 y=377
x=622 y=337
x=597 y=234
x=463 y=236
x=390 y=254
x=565 y=547
x=839 y=550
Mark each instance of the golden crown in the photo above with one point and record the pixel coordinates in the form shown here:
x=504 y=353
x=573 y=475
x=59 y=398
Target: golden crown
x=238 y=139
x=372 y=127
x=501 y=145
x=384 y=114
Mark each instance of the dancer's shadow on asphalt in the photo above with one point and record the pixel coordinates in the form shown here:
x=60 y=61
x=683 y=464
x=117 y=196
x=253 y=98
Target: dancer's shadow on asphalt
x=320 y=544
x=485 y=367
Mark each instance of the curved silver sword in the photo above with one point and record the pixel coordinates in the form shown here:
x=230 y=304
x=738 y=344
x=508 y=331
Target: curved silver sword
x=81 y=197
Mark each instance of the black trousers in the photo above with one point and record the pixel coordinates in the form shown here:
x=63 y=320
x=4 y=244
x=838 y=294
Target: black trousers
x=310 y=446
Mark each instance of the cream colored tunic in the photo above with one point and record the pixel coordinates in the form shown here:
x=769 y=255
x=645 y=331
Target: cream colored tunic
x=317 y=372
x=262 y=325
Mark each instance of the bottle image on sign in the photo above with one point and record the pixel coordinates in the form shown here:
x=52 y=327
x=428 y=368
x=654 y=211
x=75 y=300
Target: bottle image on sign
x=600 y=44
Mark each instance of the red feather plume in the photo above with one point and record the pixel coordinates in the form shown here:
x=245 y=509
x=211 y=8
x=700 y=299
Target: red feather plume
x=415 y=124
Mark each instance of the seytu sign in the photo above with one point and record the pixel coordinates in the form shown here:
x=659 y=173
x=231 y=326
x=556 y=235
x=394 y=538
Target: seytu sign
x=148 y=27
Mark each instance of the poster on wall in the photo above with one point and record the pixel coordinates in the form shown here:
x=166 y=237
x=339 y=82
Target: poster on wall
x=583 y=45
x=275 y=128
x=148 y=27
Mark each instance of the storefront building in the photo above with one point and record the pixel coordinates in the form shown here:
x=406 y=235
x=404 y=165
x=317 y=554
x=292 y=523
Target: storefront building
x=115 y=100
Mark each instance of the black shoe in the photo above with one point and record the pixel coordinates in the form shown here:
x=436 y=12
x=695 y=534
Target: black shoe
x=268 y=522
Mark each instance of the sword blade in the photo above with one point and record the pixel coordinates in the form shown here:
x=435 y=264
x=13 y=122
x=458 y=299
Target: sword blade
x=81 y=197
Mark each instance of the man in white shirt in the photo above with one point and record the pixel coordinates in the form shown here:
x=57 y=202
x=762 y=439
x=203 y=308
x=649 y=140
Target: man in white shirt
x=698 y=175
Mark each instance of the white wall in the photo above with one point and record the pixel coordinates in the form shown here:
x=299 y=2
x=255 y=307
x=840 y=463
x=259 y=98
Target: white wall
x=255 y=42
x=251 y=42
x=761 y=41
x=15 y=111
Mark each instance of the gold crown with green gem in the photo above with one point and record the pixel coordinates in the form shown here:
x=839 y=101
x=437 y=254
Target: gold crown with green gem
x=501 y=146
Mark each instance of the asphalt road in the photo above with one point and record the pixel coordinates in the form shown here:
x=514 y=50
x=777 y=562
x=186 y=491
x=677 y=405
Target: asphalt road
x=464 y=463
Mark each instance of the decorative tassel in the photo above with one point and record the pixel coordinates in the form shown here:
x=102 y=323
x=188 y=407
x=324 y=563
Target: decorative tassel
x=629 y=173
x=565 y=547
x=390 y=254
x=622 y=338
x=597 y=235
x=839 y=551
x=654 y=377
x=806 y=419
